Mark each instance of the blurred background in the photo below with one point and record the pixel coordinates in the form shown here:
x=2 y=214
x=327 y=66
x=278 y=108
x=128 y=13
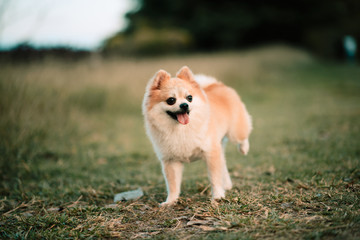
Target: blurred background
x=72 y=79
x=73 y=74
x=155 y=27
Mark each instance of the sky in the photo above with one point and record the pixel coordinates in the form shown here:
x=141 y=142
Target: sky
x=74 y=23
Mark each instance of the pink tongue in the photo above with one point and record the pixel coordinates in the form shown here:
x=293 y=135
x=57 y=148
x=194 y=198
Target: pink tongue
x=183 y=118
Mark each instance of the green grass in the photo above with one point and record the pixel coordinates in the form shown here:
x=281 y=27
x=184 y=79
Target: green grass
x=72 y=136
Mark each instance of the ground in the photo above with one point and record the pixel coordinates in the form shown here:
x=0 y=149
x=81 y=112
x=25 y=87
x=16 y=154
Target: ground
x=72 y=136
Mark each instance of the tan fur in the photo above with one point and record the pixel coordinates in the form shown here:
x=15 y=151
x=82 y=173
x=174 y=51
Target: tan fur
x=216 y=111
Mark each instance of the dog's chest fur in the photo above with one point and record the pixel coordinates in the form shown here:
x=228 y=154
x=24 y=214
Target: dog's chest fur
x=181 y=143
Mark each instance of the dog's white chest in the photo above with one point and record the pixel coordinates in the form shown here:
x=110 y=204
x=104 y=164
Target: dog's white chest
x=181 y=144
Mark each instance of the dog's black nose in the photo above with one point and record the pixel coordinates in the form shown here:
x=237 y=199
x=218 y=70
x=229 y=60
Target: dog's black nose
x=184 y=106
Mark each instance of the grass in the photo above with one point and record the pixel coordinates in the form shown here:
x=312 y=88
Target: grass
x=72 y=136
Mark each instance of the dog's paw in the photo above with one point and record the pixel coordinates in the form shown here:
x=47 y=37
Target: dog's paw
x=216 y=201
x=218 y=194
x=244 y=146
x=228 y=185
x=167 y=204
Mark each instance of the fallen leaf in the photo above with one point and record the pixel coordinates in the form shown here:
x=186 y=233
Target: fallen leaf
x=209 y=228
x=113 y=206
x=53 y=209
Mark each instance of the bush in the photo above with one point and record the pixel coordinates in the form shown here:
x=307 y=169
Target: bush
x=150 y=41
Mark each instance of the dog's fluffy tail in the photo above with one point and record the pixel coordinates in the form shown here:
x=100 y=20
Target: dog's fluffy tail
x=204 y=80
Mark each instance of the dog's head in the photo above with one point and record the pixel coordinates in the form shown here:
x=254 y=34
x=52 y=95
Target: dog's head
x=173 y=99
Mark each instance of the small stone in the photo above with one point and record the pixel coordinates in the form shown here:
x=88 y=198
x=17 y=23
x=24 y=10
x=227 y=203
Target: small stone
x=129 y=195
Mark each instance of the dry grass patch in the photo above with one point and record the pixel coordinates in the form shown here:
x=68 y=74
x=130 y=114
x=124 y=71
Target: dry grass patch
x=72 y=136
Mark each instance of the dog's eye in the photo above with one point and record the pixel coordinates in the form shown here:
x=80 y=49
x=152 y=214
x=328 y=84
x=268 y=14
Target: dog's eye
x=189 y=98
x=171 y=101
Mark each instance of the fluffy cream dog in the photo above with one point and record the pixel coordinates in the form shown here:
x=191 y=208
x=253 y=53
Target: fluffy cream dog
x=186 y=118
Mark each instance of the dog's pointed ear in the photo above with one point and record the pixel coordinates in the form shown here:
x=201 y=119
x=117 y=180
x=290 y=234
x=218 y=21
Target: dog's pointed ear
x=160 y=77
x=185 y=74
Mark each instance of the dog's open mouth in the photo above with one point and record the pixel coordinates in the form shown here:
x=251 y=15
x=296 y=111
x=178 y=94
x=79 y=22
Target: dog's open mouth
x=180 y=116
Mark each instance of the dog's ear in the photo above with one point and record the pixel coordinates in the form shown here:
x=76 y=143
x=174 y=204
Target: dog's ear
x=160 y=77
x=185 y=74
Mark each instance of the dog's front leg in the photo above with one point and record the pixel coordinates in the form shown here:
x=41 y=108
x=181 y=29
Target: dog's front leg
x=216 y=167
x=172 y=171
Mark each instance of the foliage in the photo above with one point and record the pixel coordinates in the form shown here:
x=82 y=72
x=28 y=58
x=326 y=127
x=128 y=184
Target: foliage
x=149 y=41
x=72 y=136
x=25 y=52
x=317 y=25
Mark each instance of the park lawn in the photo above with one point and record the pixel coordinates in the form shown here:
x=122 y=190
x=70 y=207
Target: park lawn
x=72 y=136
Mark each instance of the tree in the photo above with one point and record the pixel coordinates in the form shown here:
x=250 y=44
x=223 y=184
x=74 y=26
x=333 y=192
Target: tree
x=208 y=25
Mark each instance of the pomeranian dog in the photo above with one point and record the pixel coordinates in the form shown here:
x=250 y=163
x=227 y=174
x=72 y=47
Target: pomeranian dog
x=189 y=117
